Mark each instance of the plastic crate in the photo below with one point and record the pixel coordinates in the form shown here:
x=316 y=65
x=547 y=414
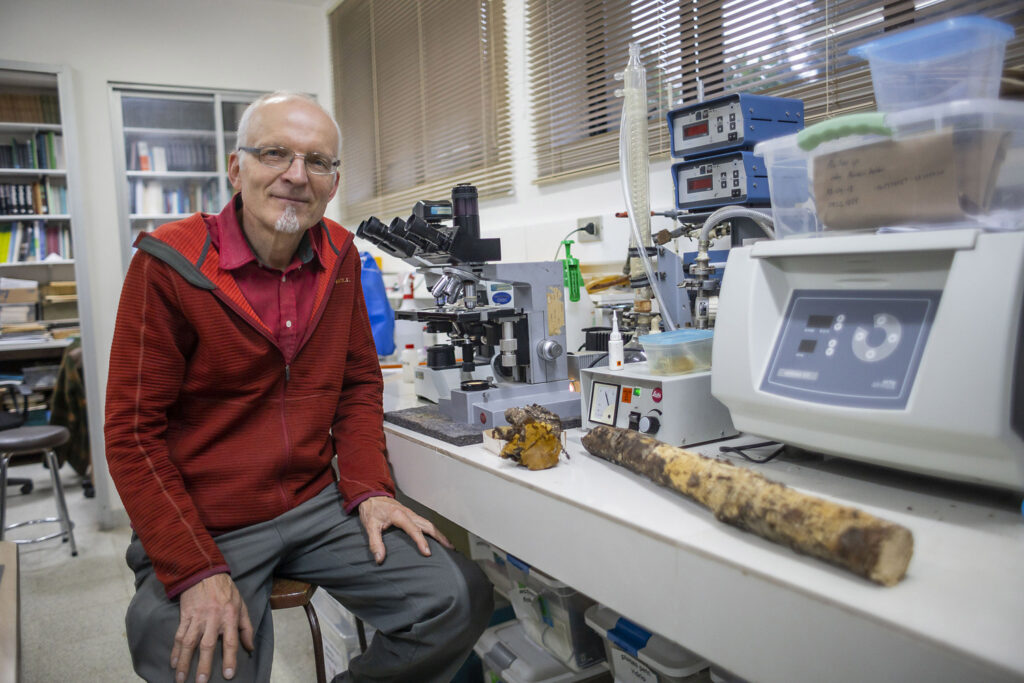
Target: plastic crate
x=553 y=615
x=636 y=654
x=508 y=656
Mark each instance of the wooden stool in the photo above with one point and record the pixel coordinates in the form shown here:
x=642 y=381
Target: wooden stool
x=23 y=440
x=291 y=593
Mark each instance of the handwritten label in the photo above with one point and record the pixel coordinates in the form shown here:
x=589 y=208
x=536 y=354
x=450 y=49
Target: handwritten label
x=934 y=178
x=629 y=669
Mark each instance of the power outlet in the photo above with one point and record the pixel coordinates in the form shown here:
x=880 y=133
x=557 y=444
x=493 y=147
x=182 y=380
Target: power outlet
x=584 y=236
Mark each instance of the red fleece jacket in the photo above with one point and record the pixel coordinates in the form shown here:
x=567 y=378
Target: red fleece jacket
x=208 y=427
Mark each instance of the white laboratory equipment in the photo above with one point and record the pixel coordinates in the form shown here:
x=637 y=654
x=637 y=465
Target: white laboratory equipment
x=676 y=409
x=900 y=349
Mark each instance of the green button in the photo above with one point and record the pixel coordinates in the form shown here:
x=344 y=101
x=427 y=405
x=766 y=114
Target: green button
x=636 y=391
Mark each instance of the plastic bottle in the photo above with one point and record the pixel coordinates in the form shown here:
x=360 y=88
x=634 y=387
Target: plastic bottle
x=408 y=331
x=615 y=356
x=410 y=359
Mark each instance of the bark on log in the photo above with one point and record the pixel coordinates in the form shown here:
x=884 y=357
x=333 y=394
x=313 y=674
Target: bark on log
x=855 y=540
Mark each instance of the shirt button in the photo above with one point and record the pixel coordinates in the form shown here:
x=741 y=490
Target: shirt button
x=287 y=323
x=283 y=277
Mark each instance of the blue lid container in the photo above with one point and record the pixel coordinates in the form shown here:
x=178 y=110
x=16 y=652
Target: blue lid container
x=953 y=59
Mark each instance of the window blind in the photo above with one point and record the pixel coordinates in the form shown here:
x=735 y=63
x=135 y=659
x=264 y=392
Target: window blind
x=790 y=48
x=421 y=95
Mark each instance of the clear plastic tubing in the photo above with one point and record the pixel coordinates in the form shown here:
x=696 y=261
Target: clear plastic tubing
x=634 y=166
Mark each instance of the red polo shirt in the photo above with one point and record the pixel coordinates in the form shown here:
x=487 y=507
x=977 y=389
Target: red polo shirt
x=283 y=300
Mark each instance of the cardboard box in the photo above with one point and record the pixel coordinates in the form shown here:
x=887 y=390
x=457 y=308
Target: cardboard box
x=14 y=291
x=59 y=288
x=60 y=310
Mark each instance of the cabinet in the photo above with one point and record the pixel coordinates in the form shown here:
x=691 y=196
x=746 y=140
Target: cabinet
x=39 y=314
x=172 y=146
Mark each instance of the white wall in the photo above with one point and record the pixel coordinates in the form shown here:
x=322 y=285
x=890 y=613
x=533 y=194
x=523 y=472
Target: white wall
x=199 y=43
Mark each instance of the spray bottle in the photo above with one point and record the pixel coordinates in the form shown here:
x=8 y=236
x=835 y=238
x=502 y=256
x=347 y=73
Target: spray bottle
x=615 y=356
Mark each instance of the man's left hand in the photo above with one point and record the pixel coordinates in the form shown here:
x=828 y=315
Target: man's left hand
x=380 y=513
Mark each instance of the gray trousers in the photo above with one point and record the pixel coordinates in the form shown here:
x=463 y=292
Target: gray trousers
x=428 y=611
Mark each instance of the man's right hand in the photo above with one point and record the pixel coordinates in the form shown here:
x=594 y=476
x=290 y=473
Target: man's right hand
x=211 y=609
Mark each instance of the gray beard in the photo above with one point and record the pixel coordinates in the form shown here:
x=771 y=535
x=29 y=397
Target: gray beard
x=288 y=222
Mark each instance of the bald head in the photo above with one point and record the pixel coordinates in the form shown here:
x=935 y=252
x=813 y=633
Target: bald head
x=245 y=124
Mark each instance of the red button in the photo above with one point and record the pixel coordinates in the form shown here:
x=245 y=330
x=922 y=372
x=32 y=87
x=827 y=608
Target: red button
x=656 y=395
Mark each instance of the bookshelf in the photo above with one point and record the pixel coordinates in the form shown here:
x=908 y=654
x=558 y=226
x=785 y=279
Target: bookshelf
x=172 y=146
x=39 y=220
x=35 y=215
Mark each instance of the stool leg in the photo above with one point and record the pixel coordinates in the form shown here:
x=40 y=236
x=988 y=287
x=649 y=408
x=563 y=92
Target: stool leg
x=3 y=494
x=361 y=632
x=318 y=643
x=62 y=508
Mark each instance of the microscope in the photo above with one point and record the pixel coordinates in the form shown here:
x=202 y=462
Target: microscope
x=507 y=320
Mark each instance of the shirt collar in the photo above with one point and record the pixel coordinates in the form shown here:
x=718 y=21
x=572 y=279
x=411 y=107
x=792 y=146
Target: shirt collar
x=234 y=249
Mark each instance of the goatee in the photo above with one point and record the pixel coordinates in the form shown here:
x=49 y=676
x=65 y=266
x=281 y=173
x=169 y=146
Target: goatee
x=288 y=222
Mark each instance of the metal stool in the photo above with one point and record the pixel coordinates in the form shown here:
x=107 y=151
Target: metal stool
x=24 y=440
x=291 y=593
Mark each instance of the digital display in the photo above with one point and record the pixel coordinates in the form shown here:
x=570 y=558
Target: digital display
x=699 y=184
x=819 y=322
x=806 y=346
x=695 y=130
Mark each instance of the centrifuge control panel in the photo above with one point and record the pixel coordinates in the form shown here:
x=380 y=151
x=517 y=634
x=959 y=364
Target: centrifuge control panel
x=855 y=349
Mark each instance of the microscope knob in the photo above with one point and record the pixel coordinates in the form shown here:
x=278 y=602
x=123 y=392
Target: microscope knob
x=649 y=424
x=549 y=349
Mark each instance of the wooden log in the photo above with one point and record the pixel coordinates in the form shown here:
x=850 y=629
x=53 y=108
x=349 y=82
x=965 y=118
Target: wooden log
x=855 y=540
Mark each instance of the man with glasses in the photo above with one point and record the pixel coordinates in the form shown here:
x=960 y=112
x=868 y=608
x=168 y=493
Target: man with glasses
x=242 y=362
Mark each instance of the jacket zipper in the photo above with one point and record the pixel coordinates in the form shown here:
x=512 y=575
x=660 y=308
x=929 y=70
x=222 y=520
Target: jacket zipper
x=284 y=433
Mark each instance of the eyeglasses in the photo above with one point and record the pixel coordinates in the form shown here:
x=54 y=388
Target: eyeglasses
x=281 y=158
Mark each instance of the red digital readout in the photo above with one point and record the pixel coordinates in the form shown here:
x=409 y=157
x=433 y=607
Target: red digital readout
x=699 y=184
x=695 y=129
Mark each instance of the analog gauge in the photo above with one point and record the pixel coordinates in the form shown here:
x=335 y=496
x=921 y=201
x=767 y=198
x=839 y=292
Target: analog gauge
x=604 y=403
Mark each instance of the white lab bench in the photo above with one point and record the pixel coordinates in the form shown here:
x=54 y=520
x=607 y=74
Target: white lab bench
x=751 y=606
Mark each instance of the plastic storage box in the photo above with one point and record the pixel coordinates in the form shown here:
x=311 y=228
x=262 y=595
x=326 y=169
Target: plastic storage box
x=959 y=164
x=678 y=352
x=338 y=630
x=949 y=60
x=636 y=654
x=492 y=560
x=553 y=615
x=509 y=656
x=720 y=675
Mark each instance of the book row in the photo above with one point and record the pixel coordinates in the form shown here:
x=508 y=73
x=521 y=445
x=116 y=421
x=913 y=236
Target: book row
x=29 y=108
x=156 y=197
x=174 y=156
x=39 y=198
x=29 y=241
x=43 y=150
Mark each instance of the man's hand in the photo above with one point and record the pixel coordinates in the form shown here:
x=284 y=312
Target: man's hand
x=211 y=609
x=380 y=512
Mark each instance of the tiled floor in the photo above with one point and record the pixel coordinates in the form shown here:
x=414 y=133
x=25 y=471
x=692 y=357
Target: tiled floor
x=72 y=622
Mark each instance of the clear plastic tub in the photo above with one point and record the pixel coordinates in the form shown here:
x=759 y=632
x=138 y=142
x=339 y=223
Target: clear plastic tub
x=954 y=165
x=955 y=59
x=678 y=352
x=508 y=656
x=492 y=560
x=553 y=615
x=635 y=654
